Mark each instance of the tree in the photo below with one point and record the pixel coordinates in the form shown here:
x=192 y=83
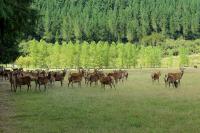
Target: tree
x=132 y=55
x=47 y=27
x=85 y=56
x=34 y=50
x=170 y=59
x=17 y=20
x=183 y=57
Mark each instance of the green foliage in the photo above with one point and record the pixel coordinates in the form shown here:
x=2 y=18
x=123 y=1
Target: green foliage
x=153 y=40
x=183 y=55
x=193 y=46
x=131 y=55
x=118 y=20
x=150 y=56
x=24 y=62
x=17 y=20
x=170 y=60
x=101 y=54
x=104 y=55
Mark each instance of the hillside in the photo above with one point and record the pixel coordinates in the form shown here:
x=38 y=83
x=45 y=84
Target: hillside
x=116 y=20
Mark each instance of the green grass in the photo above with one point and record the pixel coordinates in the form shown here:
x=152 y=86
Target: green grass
x=136 y=105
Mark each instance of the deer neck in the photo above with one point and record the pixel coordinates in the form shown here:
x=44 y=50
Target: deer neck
x=182 y=73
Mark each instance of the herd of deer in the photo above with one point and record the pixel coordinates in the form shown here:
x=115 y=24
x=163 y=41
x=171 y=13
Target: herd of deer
x=19 y=77
x=170 y=78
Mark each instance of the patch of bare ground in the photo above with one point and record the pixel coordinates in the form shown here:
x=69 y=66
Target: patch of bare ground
x=6 y=110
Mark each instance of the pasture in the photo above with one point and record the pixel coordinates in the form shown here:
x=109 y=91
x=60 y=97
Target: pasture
x=137 y=105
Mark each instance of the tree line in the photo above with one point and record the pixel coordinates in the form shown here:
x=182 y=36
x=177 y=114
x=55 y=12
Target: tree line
x=40 y=54
x=116 y=20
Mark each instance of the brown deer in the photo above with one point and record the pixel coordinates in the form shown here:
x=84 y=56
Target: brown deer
x=107 y=80
x=155 y=76
x=171 y=80
x=42 y=81
x=177 y=75
x=59 y=76
x=75 y=78
x=12 y=81
x=19 y=81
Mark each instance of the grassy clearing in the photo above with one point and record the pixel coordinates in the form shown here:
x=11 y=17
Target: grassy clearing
x=136 y=106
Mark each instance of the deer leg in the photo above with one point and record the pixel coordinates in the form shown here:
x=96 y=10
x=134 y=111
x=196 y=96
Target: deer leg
x=36 y=84
x=114 y=86
x=165 y=83
x=172 y=84
x=11 y=86
x=68 y=83
x=110 y=85
x=45 y=87
x=15 y=88
x=90 y=83
x=80 y=83
x=28 y=87
x=39 y=87
x=20 y=88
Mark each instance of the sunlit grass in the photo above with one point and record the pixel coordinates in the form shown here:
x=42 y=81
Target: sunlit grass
x=136 y=105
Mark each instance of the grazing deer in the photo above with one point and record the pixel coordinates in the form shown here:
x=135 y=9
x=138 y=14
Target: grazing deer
x=60 y=76
x=155 y=76
x=42 y=81
x=107 y=80
x=19 y=81
x=177 y=75
x=171 y=80
x=75 y=78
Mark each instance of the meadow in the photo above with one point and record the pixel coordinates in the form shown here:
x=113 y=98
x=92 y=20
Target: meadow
x=137 y=105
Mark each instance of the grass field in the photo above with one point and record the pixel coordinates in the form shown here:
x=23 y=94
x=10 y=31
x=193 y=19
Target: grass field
x=136 y=106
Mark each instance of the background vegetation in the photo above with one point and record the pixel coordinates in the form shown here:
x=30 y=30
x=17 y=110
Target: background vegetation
x=40 y=54
x=116 y=20
x=17 y=21
x=142 y=22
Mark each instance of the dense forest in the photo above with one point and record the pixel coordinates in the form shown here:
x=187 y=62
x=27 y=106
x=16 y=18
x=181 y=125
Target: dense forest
x=116 y=20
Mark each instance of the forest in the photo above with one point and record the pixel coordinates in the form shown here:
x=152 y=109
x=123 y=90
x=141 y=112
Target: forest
x=116 y=20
